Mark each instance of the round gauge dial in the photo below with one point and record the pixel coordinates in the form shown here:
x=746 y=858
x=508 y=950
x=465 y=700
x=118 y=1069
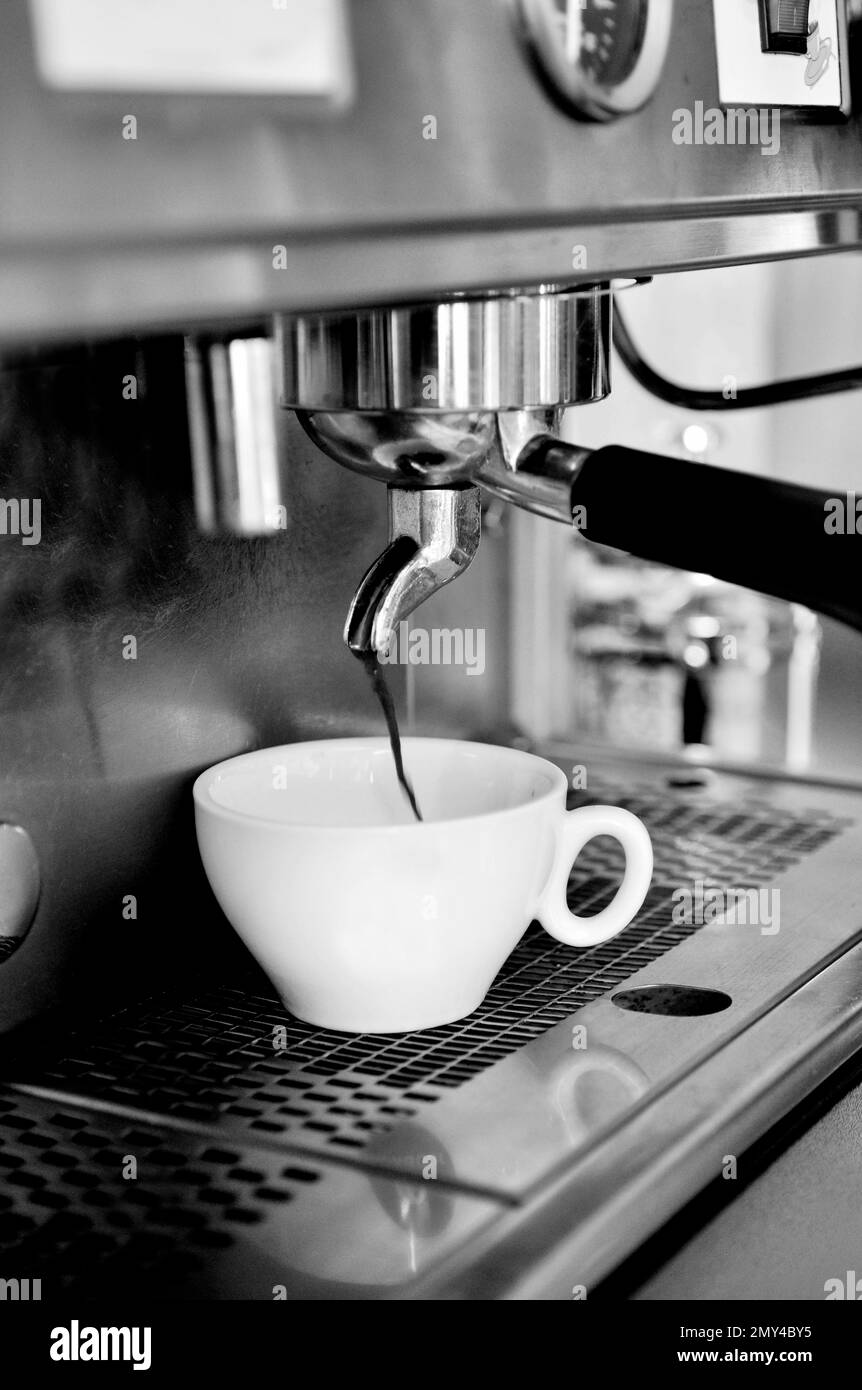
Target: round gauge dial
x=602 y=57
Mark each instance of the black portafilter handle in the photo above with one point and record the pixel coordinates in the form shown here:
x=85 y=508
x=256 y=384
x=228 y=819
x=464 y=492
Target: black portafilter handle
x=756 y=532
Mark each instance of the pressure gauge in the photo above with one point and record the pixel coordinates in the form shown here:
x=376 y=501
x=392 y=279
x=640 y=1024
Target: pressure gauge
x=602 y=58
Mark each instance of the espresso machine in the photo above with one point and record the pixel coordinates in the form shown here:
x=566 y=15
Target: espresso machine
x=292 y=306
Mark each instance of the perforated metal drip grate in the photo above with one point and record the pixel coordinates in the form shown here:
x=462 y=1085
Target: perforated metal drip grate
x=87 y=1200
x=231 y=1056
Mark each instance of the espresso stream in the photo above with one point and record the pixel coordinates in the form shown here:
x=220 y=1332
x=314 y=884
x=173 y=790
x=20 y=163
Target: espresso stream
x=381 y=690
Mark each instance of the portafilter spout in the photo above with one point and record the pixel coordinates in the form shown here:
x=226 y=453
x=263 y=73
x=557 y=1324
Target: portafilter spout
x=434 y=535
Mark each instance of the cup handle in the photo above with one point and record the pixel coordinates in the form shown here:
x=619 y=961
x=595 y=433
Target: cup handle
x=575 y=829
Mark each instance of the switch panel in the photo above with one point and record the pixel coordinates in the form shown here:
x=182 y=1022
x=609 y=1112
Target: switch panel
x=783 y=53
x=784 y=25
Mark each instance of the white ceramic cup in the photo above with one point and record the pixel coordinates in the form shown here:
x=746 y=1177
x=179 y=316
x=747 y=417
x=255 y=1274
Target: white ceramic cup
x=366 y=920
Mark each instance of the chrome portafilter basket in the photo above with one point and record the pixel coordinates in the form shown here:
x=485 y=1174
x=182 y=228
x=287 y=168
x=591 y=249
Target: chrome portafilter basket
x=409 y=394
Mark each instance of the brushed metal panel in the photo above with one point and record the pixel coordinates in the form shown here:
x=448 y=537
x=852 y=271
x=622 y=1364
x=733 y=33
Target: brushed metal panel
x=502 y=150
x=238 y=644
x=179 y=226
x=107 y=289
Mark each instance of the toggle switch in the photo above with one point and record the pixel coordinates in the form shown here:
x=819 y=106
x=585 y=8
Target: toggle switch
x=784 y=26
x=784 y=53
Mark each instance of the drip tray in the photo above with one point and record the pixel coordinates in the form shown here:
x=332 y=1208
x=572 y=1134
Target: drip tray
x=91 y=1203
x=586 y=1082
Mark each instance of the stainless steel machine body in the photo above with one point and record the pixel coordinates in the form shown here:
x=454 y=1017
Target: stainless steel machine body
x=449 y=167
x=428 y=182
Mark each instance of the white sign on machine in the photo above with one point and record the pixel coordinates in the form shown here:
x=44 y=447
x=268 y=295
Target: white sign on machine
x=224 y=47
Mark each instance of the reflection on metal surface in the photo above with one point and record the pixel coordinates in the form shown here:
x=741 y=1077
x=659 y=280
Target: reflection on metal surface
x=593 y=1086
x=397 y=1228
x=422 y=1210
x=212 y=1219
x=239 y=470
x=427 y=449
x=604 y=1205
x=20 y=885
x=507 y=350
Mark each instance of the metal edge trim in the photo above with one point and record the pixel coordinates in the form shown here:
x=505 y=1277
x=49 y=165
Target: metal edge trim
x=77 y=291
x=579 y=1227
